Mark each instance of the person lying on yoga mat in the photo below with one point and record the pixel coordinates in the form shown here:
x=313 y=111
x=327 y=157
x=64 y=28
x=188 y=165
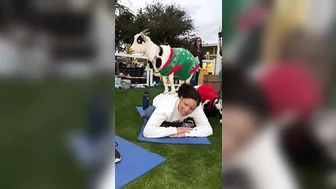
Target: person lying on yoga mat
x=177 y=115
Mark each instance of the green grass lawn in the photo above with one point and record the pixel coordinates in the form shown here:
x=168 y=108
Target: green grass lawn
x=35 y=119
x=187 y=166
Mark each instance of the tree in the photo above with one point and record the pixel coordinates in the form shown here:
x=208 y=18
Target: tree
x=167 y=23
x=124 y=19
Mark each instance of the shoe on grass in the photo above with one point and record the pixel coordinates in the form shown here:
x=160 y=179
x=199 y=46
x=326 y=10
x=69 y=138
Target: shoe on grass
x=117 y=156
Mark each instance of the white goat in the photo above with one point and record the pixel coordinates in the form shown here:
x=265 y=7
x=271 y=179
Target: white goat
x=166 y=61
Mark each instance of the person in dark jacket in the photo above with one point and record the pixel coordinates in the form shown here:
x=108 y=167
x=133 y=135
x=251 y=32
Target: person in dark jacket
x=197 y=51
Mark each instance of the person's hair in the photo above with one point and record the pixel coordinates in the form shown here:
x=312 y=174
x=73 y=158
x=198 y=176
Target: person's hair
x=195 y=42
x=188 y=91
x=238 y=90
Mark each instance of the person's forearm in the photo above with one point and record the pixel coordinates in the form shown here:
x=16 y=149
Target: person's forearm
x=159 y=132
x=200 y=132
x=203 y=127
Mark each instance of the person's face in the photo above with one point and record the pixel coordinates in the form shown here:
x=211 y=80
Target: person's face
x=186 y=106
x=198 y=41
x=238 y=127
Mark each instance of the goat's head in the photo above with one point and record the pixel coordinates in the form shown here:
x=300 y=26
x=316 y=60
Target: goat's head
x=140 y=42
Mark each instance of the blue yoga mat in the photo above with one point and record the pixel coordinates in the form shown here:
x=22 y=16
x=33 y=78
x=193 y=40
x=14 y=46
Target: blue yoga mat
x=135 y=162
x=168 y=140
x=140 y=110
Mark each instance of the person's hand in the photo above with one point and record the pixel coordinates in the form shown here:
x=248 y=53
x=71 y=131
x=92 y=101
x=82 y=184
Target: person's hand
x=178 y=135
x=183 y=130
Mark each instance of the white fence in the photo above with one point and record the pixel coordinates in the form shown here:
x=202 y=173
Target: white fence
x=149 y=72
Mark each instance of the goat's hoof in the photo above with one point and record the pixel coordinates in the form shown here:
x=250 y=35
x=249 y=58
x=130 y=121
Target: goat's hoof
x=172 y=92
x=220 y=121
x=165 y=92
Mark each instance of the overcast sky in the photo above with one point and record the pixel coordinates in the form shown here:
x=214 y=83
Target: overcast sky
x=207 y=15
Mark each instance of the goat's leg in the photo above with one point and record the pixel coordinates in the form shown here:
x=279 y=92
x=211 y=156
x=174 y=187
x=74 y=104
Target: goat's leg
x=172 y=85
x=189 y=79
x=186 y=81
x=165 y=83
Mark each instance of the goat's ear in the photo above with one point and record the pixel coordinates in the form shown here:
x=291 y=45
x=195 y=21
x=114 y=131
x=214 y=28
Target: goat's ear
x=144 y=31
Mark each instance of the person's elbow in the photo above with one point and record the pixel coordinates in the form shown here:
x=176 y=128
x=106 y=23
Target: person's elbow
x=209 y=132
x=205 y=132
x=148 y=133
